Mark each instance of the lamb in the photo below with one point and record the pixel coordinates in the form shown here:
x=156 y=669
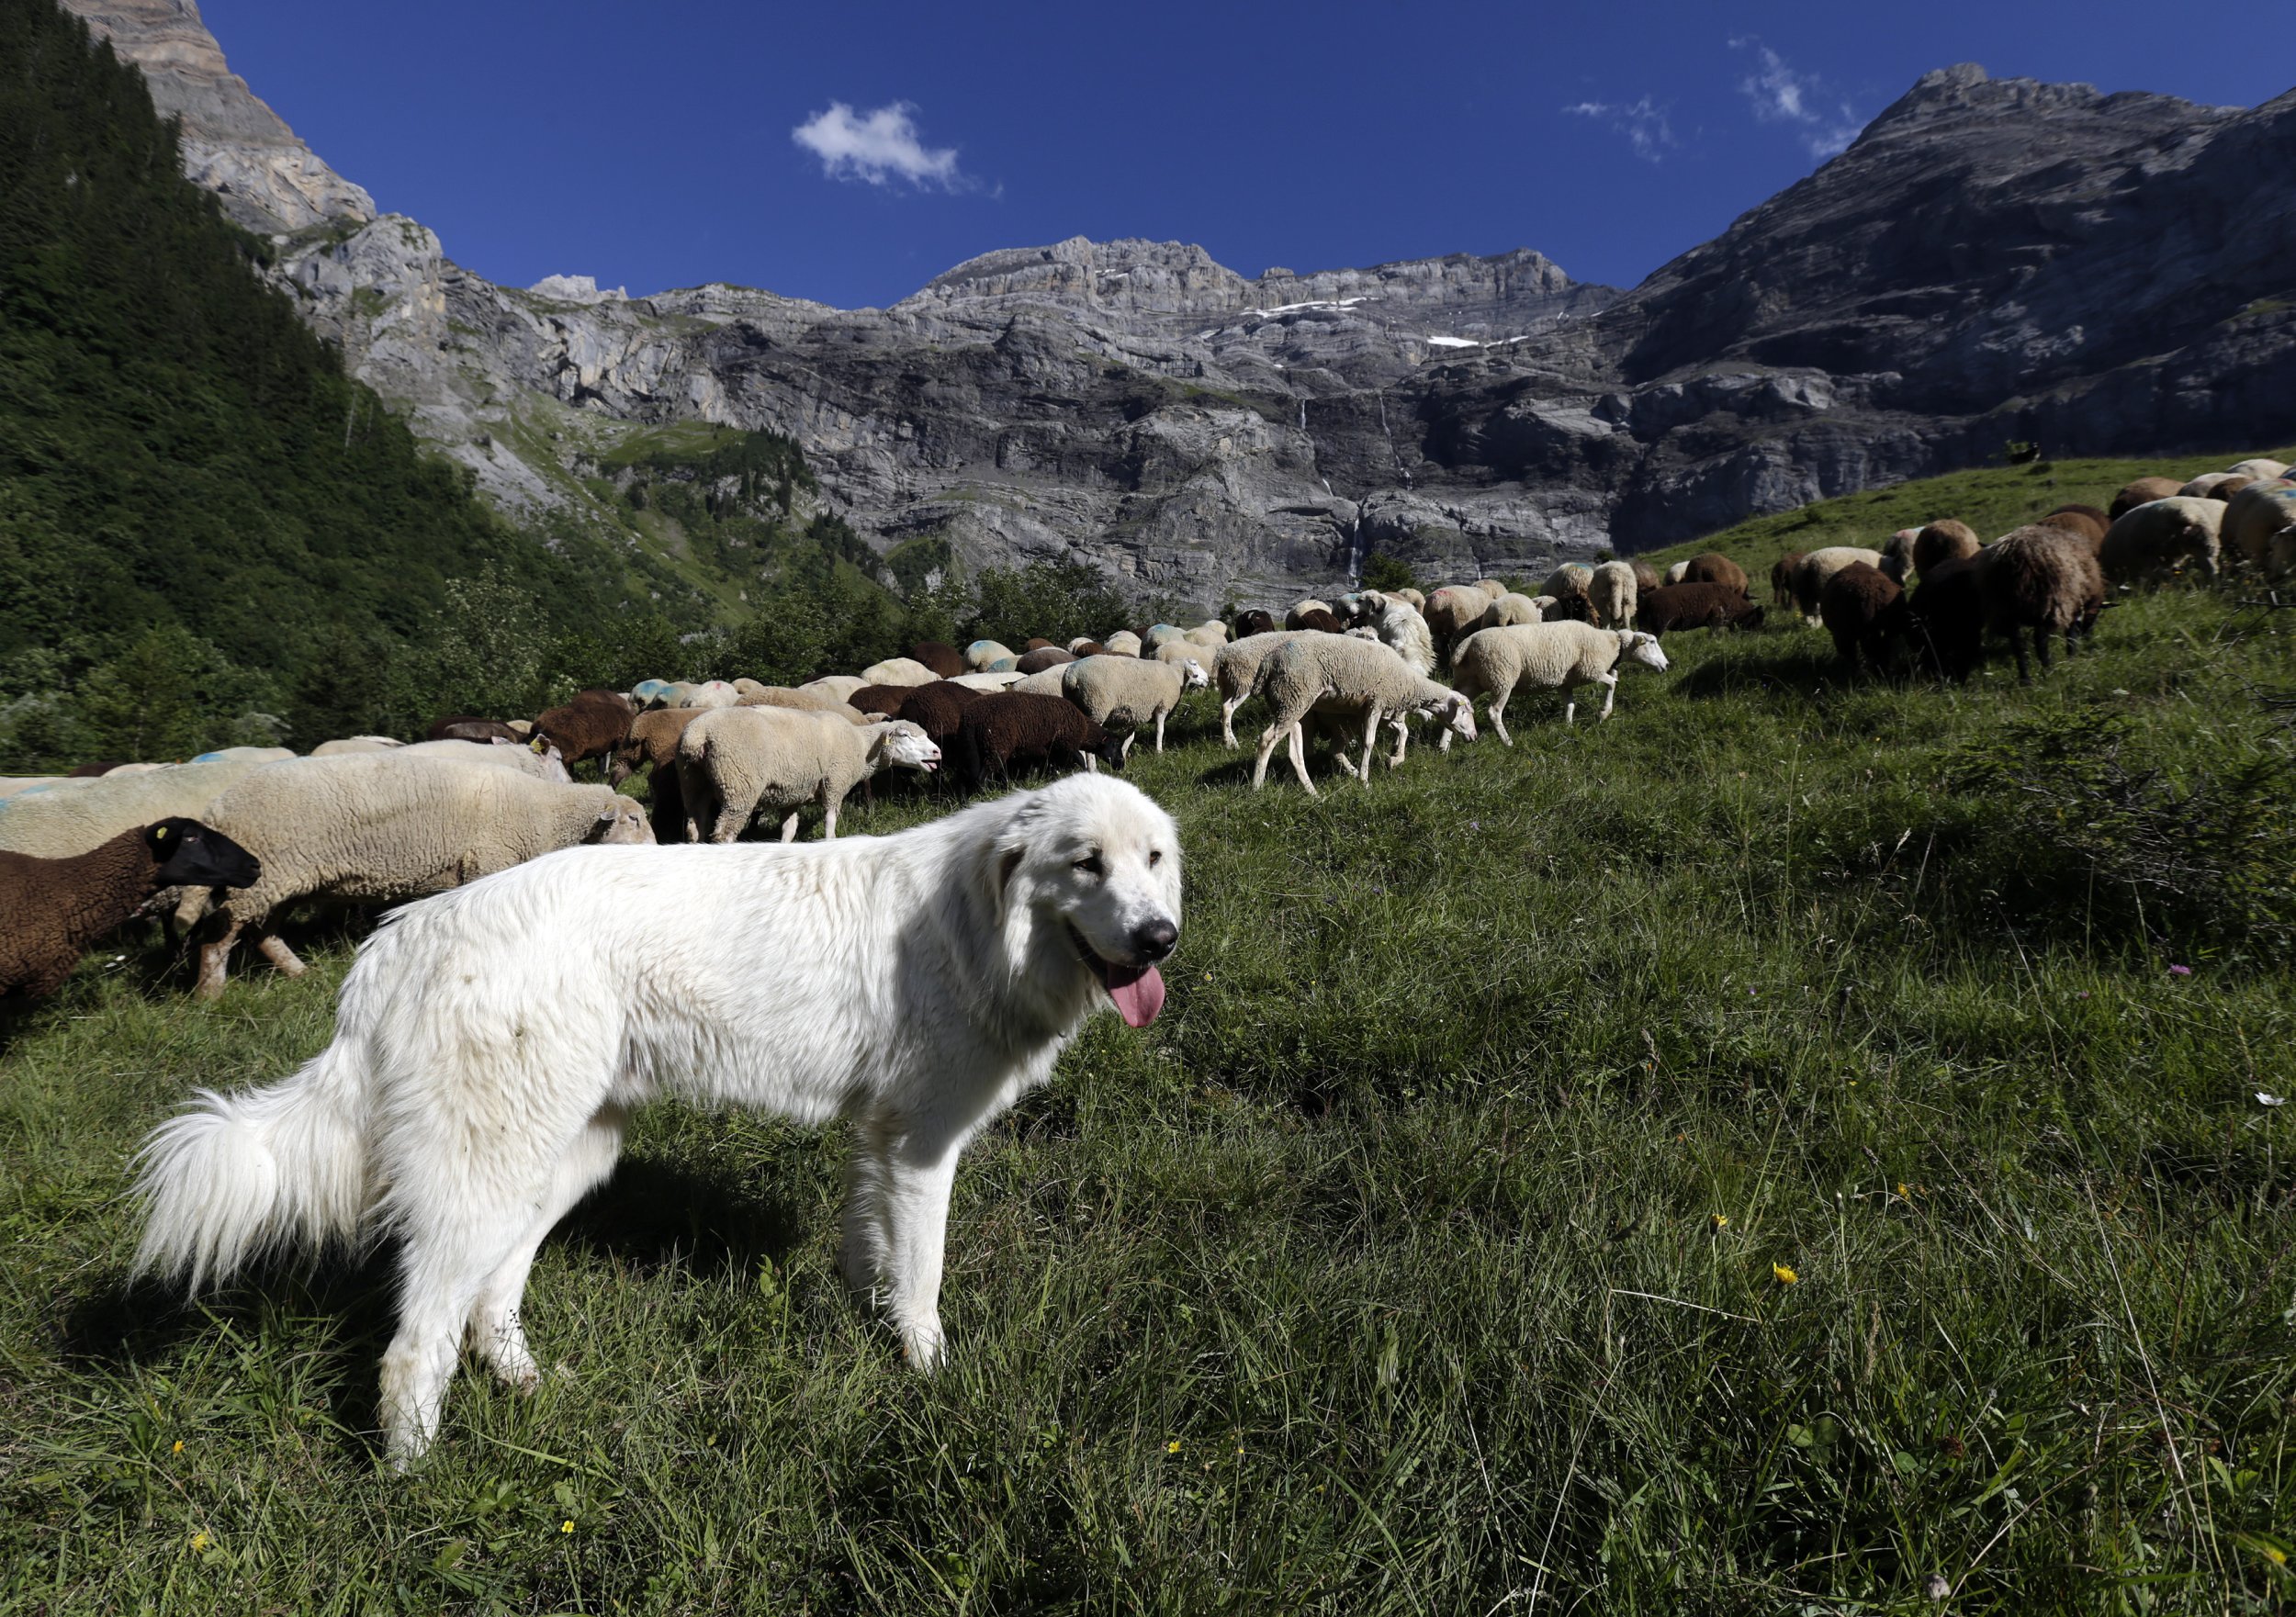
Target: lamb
x=544 y=764
x=1014 y=728
x=2255 y=514
x=902 y=670
x=1452 y=611
x=2144 y=491
x=2041 y=579
x=588 y=726
x=1782 y=573
x=814 y=701
x=56 y=907
x=943 y=660
x=1713 y=568
x=1614 y=594
x=1247 y=624
x=382 y=828
x=1864 y=610
x=731 y=765
x=1340 y=680
x=1123 y=643
x=1820 y=565
x=1113 y=692
x=465 y=728
x=1036 y=662
x=1551 y=657
x=63 y=821
x=2156 y=541
x=980 y=653
x=1672 y=607
x=1570 y=573
x=1236 y=669
x=1511 y=609
x=837 y=687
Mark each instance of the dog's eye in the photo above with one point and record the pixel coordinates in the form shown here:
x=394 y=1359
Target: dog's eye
x=1090 y=864
x=1155 y=857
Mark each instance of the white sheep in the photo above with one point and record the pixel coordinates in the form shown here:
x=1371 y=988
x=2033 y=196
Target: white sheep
x=1212 y=634
x=1123 y=643
x=1116 y=691
x=2255 y=515
x=899 y=670
x=700 y=693
x=2161 y=538
x=1043 y=682
x=1160 y=635
x=2200 y=487
x=1817 y=571
x=2259 y=467
x=1558 y=582
x=548 y=764
x=980 y=654
x=836 y=686
x=1675 y=574
x=1300 y=609
x=1342 y=683
x=731 y=764
x=355 y=744
x=1002 y=680
x=381 y=827
x=1236 y=669
x=61 y=822
x=803 y=701
x=1493 y=588
x=1507 y=612
x=1612 y=590
x=1549 y=657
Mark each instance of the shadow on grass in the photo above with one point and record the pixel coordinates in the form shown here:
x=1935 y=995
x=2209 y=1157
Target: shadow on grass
x=660 y=1214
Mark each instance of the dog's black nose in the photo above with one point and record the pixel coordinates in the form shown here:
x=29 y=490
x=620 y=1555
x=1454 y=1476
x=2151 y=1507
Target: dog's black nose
x=1155 y=939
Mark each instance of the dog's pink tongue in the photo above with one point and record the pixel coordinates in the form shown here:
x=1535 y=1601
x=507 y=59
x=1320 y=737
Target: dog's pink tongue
x=1138 y=992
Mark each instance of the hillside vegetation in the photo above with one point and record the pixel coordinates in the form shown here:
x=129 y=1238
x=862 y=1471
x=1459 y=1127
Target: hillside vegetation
x=1796 y=1147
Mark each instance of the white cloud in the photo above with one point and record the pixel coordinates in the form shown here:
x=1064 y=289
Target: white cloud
x=878 y=146
x=1642 y=122
x=1781 y=96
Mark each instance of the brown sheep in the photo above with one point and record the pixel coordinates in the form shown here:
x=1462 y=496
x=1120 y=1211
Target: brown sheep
x=55 y=908
x=2102 y=519
x=1571 y=603
x=1089 y=648
x=1864 y=610
x=2078 y=523
x=590 y=726
x=463 y=727
x=1782 y=573
x=653 y=742
x=1319 y=618
x=941 y=658
x=1713 y=568
x=1036 y=643
x=1255 y=622
x=881 y=698
x=2144 y=491
x=1697 y=606
x=1948 y=617
x=2230 y=487
x=2043 y=579
x=1041 y=658
x=1942 y=540
x=1646 y=576
x=938 y=709
x=1008 y=728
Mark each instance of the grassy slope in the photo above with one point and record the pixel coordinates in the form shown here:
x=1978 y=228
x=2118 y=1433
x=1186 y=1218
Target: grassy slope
x=1383 y=1274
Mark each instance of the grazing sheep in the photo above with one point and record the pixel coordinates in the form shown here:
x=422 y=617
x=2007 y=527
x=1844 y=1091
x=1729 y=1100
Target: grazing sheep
x=1491 y=587
x=1344 y=683
x=1325 y=623
x=355 y=744
x=60 y=821
x=1820 y=565
x=814 y=701
x=2080 y=524
x=1210 y=636
x=2259 y=467
x=522 y=760
x=380 y=829
x=2041 y=579
x=1034 y=643
x=2201 y=487
x=938 y=709
x=1452 y=612
x=1713 y=568
x=1782 y=573
x=1899 y=549
x=1549 y=657
x=1418 y=601
x=464 y=727
x=1614 y=595
x=1673 y=607
x=2232 y=485
x=1013 y=729
x=837 y=687
x=11 y=785
x=2154 y=542
x=1864 y=610
x=1510 y=610
x=701 y=693
x=1946 y=616
x=902 y=670
x=2090 y=512
x=994 y=681
x=1045 y=682
x=2255 y=514
x=731 y=765
x=980 y=653
x=54 y=908
x=1180 y=651
x=883 y=702
x=2144 y=491
x=1048 y=656
x=653 y=742
x=1085 y=646
x=1646 y=576
x=648 y=693
x=1003 y=665
x=1160 y=635
x=1295 y=618
x=1402 y=629
x=1132 y=694
x=1236 y=669
x=1570 y=572
x=1123 y=643
x=1942 y=540
x=1568 y=602
x=945 y=660
x=1677 y=573
x=1247 y=624
x=587 y=727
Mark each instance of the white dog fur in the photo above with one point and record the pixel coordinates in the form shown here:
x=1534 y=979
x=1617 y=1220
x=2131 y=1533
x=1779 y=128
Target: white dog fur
x=491 y=1043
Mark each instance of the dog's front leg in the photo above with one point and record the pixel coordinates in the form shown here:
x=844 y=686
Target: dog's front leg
x=920 y=1171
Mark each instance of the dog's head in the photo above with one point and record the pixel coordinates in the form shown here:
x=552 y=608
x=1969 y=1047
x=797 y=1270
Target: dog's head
x=1086 y=877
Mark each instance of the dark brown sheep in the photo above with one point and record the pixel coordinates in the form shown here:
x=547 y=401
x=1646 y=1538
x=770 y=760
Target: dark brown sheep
x=1864 y=610
x=1036 y=643
x=881 y=698
x=54 y=908
x=1782 y=573
x=938 y=709
x=1697 y=606
x=1009 y=729
x=943 y=660
x=1713 y=568
x=2230 y=487
x=1043 y=657
x=1948 y=617
x=1316 y=617
x=463 y=727
x=1089 y=648
x=2144 y=491
x=1942 y=540
x=1646 y=577
x=1255 y=622
x=590 y=726
x=2044 y=579
x=2078 y=523
x=1573 y=604
x=653 y=742
x=2103 y=518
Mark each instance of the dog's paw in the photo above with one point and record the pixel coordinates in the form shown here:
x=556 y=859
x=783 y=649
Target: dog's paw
x=922 y=1346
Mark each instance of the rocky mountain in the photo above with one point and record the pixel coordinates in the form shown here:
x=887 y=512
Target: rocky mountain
x=1990 y=260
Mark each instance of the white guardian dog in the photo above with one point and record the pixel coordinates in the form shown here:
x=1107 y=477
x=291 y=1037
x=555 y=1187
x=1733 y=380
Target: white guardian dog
x=491 y=1043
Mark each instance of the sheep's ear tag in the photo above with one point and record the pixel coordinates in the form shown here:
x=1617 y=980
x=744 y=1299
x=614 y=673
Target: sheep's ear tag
x=159 y=833
x=535 y=745
x=608 y=812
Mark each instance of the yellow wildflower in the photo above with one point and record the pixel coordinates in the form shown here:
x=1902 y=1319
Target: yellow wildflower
x=2279 y=1555
x=565 y=1526
x=1905 y=1190
x=199 y=1541
x=1172 y=1447
x=1786 y=1276
x=1721 y=1220
x=178 y=1448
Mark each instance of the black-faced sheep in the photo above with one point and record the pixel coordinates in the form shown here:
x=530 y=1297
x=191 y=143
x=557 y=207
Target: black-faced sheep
x=1014 y=729
x=943 y=660
x=55 y=908
x=1864 y=610
x=1672 y=607
x=2144 y=491
x=589 y=726
x=1255 y=622
x=1713 y=568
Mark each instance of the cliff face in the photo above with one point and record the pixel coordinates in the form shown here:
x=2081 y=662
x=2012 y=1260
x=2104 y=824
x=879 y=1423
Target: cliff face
x=1992 y=260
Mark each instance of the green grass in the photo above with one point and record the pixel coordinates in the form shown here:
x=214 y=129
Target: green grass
x=1388 y=1271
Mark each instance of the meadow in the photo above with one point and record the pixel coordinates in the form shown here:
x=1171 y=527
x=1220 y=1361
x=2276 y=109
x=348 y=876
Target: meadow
x=1800 y=1146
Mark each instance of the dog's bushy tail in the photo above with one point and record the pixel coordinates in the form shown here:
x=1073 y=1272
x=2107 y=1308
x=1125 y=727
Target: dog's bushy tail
x=237 y=1176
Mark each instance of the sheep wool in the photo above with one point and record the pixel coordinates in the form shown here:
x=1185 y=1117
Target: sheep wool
x=2153 y=543
x=544 y=764
x=1510 y=611
x=1549 y=657
x=1818 y=568
x=906 y=670
x=733 y=765
x=2256 y=515
x=1337 y=681
x=839 y=686
x=1614 y=594
x=1132 y=693
x=54 y=908
x=980 y=653
x=61 y=822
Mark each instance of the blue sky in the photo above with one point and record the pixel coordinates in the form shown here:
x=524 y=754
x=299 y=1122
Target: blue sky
x=654 y=145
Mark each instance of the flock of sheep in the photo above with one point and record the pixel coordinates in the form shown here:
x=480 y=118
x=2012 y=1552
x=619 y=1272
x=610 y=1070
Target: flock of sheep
x=370 y=820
